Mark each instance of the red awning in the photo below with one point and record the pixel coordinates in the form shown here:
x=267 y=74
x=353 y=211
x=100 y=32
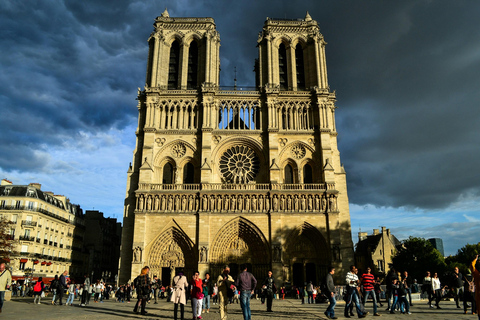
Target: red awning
x=35 y=262
x=44 y=263
x=6 y=259
x=23 y=260
x=49 y=263
x=18 y=278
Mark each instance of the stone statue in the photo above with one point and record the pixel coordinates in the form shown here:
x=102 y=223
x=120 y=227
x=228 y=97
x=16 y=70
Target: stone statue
x=289 y=203
x=219 y=203
x=275 y=203
x=254 y=203
x=324 y=203
x=240 y=203
x=303 y=203
x=247 y=203
x=212 y=203
x=226 y=201
x=205 y=202
x=190 y=203
x=260 y=203
x=137 y=255
x=233 y=202
x=140 y=203
x=149 y=203
x=177 y=203
x=170 y=203
x=157 y=203
x=295 y=203
x=184 y=203
x=163 y=203
x=310 y=203
x=282 y=202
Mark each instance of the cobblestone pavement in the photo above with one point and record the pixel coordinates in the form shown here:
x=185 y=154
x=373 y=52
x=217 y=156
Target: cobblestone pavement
x=23 y=308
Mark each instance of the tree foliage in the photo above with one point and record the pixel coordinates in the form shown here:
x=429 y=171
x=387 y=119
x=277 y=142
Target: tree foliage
x=7 y=244
x=417 y=255
x=463 y=258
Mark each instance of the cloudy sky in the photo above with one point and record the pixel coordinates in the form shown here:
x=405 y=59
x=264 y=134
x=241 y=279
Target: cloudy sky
x=406 y=74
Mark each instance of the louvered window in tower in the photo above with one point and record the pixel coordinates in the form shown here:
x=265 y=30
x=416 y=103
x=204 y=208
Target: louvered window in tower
x=173 y=66
x=282 y=67
x=300 y=67
x=192 y=81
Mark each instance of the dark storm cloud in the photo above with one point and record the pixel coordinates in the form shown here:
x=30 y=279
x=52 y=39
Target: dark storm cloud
x=406 y=75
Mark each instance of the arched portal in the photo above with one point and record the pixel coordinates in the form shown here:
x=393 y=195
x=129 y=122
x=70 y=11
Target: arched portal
x=240 y=241
x=306 y=255
x=171 y=250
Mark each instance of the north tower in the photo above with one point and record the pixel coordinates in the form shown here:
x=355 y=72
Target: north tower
x=228 y=176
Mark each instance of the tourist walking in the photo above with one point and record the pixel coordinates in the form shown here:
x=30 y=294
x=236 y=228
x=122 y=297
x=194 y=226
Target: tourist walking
x=71 y=293
x=352 y=293
x=436 y=289
x=61 y=286
x=207 y=292
x=269 y=289
x=196 y=292
x=368 y=283
x=246 y=284
x=475 y=268
x=179 y=297
x=225 y=291
x=142 y=285
x=54 y=284
x=5 y=282
x=457 y=285
x=427 y=288
x=98 y=291
x=86 y=285
x=330 y=292
x=469 y=293
x=38 y=288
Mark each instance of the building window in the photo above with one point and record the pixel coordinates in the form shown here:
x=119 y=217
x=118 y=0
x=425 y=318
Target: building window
x=192 y=80
x=18 y=204
x=22 y=265
x=288 y=174
x=14 y=218
x=307 y=174
x=188 y=173
x=380 y=266
x=282 y=67
x=168 y=173
x=24 y=248
x=173 y=66
x=300 y=67
x=30 y=205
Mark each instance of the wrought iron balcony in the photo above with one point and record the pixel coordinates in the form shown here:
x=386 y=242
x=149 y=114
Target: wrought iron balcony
x=27 y=223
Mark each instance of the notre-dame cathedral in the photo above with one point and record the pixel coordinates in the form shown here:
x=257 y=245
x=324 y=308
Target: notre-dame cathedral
x=225 y=176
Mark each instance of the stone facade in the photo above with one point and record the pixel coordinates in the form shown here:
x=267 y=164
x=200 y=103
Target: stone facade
x=236 y=176
x=47 y=229
x=376 y=250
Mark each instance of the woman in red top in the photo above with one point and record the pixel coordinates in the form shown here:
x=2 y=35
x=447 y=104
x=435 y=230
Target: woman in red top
x=196 y=292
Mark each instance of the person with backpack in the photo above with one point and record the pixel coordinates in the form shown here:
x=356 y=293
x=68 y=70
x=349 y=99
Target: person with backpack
x=71 y=293
x=53 y=288
x=142 y=285
x=38 y=288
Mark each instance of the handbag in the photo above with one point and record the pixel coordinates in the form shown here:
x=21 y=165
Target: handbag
x=230 y=293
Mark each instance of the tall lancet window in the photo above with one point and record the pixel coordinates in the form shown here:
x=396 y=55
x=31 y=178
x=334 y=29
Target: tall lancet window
x=282 y=67
x=192 y=81
x=288 y=174
x=168 y=173
x=300 y=67
x=173 y=66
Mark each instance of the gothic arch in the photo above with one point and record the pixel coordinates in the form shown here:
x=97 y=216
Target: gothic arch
x=305 y=245
x=172 y=248
x=299 y=40
x=192 y=36
x=172 y=36
x=233 y=244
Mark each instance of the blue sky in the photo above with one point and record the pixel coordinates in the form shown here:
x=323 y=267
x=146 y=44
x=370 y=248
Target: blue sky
x=406 y=74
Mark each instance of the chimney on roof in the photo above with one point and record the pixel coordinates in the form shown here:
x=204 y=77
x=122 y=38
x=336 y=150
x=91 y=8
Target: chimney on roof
x=6 y=182
x=362 y=236
x=388 y=232
x=36 y=185
x=375 y=232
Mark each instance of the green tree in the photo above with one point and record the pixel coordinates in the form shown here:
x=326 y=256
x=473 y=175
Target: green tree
x=463 y=258
x=417 y=255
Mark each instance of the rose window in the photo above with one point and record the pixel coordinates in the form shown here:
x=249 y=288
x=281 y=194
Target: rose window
x=179 y=150
x=239 y=164
x=298 y=151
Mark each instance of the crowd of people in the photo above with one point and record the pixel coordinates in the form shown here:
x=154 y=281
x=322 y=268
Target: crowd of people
x=202 y=293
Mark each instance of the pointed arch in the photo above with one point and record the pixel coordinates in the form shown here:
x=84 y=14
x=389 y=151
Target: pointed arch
x=240 y=241
x=174 y=65
x=172 y=248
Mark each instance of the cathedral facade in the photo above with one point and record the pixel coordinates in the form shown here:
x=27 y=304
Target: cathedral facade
x=225 y=176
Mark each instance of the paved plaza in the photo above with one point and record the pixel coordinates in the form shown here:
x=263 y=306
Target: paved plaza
x=23 y=308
